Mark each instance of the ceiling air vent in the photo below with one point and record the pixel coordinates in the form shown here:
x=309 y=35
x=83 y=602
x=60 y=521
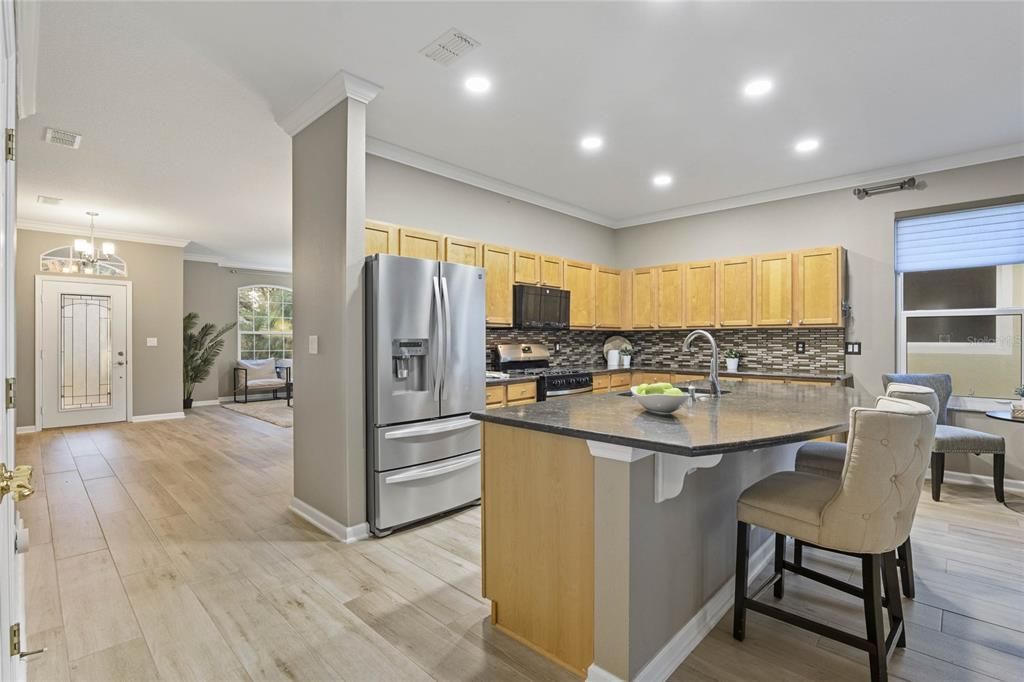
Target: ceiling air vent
x=448 y=47
x=48 y=201
x=64 y=138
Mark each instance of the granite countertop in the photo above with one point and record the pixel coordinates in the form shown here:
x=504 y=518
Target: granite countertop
x=510 y=380
x=703 y=371
x=749 y=416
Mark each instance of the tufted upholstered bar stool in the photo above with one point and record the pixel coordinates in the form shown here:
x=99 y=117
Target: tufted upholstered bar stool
x=867 y=513
x=955 y=439
x=826 y=459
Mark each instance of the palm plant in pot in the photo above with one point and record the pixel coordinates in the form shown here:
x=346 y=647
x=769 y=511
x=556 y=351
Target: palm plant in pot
x=201 y=349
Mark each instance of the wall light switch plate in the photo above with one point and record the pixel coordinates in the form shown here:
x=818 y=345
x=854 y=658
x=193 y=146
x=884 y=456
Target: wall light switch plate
x=853 y=347
x=151 y=341
x=314 y=345
x=801 y=347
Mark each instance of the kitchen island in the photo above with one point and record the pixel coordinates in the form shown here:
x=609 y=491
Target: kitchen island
x=608 y=531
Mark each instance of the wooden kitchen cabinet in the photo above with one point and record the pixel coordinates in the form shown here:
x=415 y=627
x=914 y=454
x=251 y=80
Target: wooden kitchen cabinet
x=380 y=237
x=686 y=378
x=773 y=290
x=463 y=251
x=509 y=395
x=651 y=378
x=819 y=286
x=620 y=380
x=528 y=267
x=608 y=312
x=735 y=292
x=420 y=244
x=669 y=287
x=495 y=396
x=699 y=286
x=645 y=303
x=602 y=383
x=497 y=262
x=580 y=280
x=551 y=271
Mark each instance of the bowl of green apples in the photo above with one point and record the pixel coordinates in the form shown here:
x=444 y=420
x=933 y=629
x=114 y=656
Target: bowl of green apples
x=660 y=398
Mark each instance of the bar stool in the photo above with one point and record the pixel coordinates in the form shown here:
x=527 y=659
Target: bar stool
x=867 y=514
x=955 y=439
x=826 y=459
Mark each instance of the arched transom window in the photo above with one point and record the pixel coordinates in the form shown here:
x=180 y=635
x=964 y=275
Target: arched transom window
x=264 y=322
x=63 y=260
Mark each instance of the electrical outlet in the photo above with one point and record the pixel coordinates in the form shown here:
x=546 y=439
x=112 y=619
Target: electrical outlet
x=853 y=347
x=801 y=347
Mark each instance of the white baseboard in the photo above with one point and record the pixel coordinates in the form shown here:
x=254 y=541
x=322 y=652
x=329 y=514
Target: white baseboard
x=981 y=480
x=31 y=428
x=686 y=640
x=157 y=417
x=337 y=530
x=205 y=403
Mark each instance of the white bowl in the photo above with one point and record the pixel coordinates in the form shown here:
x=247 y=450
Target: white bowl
x=658 y=402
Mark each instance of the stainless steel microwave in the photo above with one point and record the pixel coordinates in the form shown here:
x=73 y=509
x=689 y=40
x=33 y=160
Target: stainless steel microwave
x=539 y=307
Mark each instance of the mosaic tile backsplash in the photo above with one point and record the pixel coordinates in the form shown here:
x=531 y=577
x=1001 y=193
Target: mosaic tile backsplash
x=760 y=349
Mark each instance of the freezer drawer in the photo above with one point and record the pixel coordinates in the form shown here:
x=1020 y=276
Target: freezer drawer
x=410 y=444
x=413 y=493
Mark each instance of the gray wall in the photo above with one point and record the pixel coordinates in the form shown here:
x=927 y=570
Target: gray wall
x=212 y=291
x=401 y=194
x=865 y=228
x=328 y=217
x=156 y=276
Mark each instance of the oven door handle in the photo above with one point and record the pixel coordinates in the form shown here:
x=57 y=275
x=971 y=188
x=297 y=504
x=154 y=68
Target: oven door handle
x=571 y=391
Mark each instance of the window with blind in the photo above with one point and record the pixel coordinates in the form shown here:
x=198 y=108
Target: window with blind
x=960 y=292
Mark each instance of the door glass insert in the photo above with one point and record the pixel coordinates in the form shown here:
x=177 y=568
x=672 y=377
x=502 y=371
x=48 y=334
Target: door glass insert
x=85 y=353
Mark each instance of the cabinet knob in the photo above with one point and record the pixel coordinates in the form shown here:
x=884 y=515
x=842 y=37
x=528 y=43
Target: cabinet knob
x=800 y=322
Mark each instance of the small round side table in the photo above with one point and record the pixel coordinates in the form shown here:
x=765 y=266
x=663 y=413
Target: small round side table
x=1007 y=416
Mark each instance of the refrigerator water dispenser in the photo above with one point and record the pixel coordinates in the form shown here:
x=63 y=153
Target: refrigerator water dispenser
x=409 y=362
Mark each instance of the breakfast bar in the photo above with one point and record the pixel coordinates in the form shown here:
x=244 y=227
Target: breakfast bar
x=608 y=531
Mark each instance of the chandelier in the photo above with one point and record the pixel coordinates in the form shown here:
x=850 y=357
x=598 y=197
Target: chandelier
x=85 y=250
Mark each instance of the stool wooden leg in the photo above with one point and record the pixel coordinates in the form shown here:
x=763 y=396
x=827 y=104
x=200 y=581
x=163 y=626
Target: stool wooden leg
x=798 y=552
x=871 y=568
x=906 y=564
x=780 y=556
x=892 y=596
x=938 y=470
x=998 y=474
x=739 y=606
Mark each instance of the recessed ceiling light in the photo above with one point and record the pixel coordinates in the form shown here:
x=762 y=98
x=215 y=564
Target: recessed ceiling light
x=478 y=85
x=807 y=145
x=662 y=180
x=757 y=87
x=592 y=143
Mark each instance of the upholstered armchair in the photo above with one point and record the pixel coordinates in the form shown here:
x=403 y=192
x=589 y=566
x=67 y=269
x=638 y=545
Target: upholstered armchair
x=259 y=376
x=954 y=439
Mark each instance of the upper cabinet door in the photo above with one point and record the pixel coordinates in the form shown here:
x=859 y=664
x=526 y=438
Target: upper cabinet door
x=497 y=262
x=609 y=298
x=551 y=271
x=463 y=251
x=419 y=244
x=701 y=300
x=527 y=267
x=381 y=238
x=819 y=287
x=736 y=292
x=580 y=281
x=644 y=298
x=773 y=290
x=669 y=283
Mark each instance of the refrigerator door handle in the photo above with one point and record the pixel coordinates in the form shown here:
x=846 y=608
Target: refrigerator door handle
x=447 y=335
x=439 y=356
x=431 y=472
x=430 y=429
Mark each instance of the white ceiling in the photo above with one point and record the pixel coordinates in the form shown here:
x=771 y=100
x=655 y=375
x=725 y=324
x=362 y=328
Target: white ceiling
x=177 y=102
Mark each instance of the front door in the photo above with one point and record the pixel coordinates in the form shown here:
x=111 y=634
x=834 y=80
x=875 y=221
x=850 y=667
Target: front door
x=83 y=327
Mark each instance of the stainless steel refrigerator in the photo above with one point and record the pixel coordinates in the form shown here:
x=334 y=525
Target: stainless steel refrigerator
x=425 y=351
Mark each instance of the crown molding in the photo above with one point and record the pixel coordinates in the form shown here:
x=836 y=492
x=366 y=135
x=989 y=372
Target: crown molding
x=79 y=231
x=342 y=85
x=830 y=184
x=393 y=152
x=225 y=263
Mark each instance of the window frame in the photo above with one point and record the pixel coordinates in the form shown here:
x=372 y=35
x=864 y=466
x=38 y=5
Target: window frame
x=239 y=333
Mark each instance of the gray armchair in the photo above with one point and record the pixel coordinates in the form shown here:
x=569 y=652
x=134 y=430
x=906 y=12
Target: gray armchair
x=954 y=438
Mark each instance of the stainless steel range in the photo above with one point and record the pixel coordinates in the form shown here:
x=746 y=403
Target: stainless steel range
x=534 y=359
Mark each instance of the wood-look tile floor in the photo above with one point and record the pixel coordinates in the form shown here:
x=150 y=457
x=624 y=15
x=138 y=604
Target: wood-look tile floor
x=165 y=550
